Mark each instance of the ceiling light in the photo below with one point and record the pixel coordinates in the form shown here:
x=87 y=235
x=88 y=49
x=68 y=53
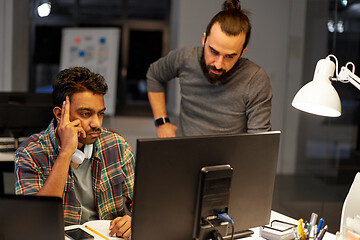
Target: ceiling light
x=44 y=9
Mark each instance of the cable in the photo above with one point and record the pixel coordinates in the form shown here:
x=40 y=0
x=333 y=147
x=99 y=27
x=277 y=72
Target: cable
x=215 y=235
x=226 y=218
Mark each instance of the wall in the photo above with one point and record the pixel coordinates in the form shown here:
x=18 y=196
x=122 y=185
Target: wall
x=6 y=7
x=13 y=45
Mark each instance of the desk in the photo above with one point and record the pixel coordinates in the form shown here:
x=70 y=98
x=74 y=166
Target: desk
x=255 y=236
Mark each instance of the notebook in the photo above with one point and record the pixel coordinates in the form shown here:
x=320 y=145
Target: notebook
x=31 y=217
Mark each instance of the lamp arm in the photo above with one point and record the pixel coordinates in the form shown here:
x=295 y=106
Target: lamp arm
x=346 y=75
x=336 y=63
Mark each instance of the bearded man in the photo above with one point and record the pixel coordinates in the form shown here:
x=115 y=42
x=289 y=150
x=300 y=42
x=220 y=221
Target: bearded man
x=221 y=92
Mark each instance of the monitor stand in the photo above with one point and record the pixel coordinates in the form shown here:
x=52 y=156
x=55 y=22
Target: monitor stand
x=240 y=234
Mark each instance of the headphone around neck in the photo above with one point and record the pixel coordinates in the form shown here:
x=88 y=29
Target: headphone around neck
x=79 y=156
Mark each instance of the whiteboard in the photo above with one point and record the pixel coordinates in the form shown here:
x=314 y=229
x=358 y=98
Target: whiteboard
x=96 y=49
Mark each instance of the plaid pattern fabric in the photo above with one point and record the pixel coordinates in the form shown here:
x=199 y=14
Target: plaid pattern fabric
x=112 y=170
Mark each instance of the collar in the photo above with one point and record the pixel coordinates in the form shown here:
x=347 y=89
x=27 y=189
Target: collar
x=51 y=131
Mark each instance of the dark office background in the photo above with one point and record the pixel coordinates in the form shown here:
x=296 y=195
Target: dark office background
x=327 y=150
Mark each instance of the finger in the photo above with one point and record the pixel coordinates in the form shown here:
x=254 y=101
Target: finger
x=113 y=228
x=81 y=131
x=65 y=111
x=112 y=224
x=127 y=234
x=62 y=112
x=76 y=124
x=124 y=230
x=112 y=231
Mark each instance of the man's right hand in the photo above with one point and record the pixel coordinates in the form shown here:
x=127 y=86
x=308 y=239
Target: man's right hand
x=166 y=130
x=68 y=131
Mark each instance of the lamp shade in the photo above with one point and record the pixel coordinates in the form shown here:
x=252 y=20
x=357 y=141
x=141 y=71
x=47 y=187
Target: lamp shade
x=319 y=96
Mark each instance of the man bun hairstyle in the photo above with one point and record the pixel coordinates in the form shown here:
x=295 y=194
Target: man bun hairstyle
x=233 y=20
x=74 y=80
x=232 y=5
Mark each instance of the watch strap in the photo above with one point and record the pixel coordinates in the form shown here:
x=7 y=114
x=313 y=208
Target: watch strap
x=161 y=121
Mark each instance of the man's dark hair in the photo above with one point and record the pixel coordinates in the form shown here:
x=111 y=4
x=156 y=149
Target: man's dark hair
x=233 y=20
x=74 y=80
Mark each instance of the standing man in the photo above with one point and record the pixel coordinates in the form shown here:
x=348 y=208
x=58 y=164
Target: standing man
x=221 y=93
x=89 y=167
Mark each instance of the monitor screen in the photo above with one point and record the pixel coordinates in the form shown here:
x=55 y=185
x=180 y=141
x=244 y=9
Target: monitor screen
x=167 y=178
x=31 y=217
x=24 y=113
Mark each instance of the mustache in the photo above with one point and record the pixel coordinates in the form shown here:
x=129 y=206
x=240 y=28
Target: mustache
x=95 y=130
x=214 y=68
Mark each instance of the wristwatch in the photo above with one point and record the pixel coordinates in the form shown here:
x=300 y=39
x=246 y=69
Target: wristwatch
x=161 y=121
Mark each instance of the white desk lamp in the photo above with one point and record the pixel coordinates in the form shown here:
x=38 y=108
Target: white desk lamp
x=319 y=96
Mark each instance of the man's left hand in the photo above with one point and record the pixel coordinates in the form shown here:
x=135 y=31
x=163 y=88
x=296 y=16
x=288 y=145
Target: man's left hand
x=121 y=226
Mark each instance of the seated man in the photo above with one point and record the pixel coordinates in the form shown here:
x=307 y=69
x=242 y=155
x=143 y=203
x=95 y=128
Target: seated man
x=89 y=167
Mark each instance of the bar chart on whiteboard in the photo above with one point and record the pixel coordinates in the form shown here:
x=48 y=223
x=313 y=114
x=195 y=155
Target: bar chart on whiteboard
x=96 y=49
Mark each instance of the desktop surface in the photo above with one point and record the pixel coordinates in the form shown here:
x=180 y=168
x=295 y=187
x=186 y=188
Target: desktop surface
x=167 y=173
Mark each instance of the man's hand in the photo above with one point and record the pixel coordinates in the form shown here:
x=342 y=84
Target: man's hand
x=166 y=130
x=67 y=131
x=121 y=226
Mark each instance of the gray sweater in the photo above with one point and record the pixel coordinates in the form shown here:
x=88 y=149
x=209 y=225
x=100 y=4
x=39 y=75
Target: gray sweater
x=242 y=104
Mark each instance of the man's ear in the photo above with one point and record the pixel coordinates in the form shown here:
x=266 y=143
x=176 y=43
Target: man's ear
x=243 y=51
x=57 y=113
x=203 y=39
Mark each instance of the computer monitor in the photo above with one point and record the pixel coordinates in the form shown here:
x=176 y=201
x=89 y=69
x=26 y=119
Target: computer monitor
x=31 y=217
x=167 y=175
x=24 y=113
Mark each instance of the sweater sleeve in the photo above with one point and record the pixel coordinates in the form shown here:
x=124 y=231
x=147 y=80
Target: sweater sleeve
x=259 y=103
x=164 y=70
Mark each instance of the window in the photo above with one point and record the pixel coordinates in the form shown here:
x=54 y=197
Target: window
x=144 y=34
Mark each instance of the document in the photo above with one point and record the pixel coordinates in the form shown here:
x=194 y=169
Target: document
x=278 y=230
x=99 y=229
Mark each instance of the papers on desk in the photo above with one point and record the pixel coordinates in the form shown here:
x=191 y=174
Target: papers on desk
x=97 y=228
x=278 y=230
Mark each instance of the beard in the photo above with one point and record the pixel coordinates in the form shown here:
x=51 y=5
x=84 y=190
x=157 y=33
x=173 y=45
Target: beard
x=89 y=139
x=215 y=79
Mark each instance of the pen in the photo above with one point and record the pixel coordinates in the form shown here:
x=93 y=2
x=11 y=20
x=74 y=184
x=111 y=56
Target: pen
x=96 y=232
x=301 y=230
x=313 y=220
x=321 y=225
x=322 y=233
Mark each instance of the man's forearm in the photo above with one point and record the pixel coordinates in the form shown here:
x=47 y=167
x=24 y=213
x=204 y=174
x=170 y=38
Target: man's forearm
x=157 y=102
x=55 y=183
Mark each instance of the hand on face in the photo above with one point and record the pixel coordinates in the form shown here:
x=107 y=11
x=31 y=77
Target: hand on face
x=69 y=131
